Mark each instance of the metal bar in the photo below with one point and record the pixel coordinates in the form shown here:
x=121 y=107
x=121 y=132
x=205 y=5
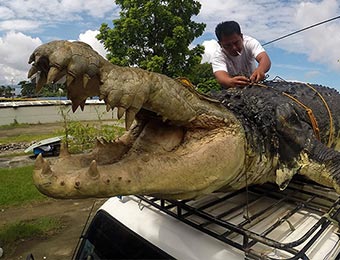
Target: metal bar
x=298 y=198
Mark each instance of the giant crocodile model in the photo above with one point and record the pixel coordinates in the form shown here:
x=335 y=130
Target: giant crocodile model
x=180 y=144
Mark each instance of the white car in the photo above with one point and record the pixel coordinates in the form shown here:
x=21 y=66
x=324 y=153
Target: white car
x=260 y=222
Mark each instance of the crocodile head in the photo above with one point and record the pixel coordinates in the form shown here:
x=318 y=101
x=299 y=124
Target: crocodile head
x=178 y=144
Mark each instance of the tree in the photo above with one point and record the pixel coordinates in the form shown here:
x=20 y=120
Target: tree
x=203 y=78
x=49 y=90
x=155 y=35
x=27 y=88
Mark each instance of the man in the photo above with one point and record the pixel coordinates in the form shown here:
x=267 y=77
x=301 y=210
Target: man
x=234 y=62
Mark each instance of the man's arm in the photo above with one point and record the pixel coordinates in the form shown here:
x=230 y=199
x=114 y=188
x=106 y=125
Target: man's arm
x=224 y=79
x=264 y=64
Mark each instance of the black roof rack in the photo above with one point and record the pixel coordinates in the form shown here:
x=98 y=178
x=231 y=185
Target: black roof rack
x=247 y=219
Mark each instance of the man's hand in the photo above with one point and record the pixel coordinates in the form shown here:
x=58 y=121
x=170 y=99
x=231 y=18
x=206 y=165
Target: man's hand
x=262 y=68
x=227 y=81
x=257 y=75
x=239 y=81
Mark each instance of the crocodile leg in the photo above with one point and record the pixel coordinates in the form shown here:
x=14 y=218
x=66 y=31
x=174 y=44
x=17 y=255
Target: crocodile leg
x=321 y=164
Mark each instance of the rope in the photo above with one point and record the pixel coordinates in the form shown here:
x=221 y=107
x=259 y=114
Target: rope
x=310 y=113
x=331 y=128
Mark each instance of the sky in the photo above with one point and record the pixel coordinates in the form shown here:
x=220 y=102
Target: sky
x=310 y=56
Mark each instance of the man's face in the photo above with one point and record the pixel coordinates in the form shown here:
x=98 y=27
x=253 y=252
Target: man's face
x=232 y=44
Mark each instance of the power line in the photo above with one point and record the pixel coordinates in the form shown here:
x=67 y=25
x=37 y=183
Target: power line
x=306 y=28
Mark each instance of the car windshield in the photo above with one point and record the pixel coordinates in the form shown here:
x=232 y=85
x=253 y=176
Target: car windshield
x=107 y=238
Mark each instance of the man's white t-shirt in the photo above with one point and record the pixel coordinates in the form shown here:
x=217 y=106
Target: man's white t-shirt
x=241 y=65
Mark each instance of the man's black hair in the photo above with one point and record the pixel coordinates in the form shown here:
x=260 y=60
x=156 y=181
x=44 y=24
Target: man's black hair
x=226 y=29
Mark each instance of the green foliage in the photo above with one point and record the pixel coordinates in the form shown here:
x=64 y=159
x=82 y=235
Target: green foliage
x=155 y=35
x=50 y=90
x=27 y=88
x=82 y=136
x=18 y=186
x=208 y=86
x=25 y=138
x=6 y=91
x=202 y=77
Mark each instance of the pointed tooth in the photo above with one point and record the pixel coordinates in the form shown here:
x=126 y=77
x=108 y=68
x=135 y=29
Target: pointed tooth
x=120 y=112
x=93 y=170
x=32 y=71
x=129 y=118
x=69 y=79
x=82 y=105
x=86 y=79
x=74 y=107
x=31 y=58
x=63 y=150
x=39 y=162
x=108 y=107
x=46 y=169
x=52 y=75
x=41 y=81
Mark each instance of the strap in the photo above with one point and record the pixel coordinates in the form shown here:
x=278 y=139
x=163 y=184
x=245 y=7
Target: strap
x=310 y=113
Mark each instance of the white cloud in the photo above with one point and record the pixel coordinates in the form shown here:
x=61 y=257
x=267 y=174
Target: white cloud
x=90 y=38
x=6 y=13
x=320 y=44
x=209 y=48
x=268 y=20
x=19 y=25
x=41 y=13
x=15 y=49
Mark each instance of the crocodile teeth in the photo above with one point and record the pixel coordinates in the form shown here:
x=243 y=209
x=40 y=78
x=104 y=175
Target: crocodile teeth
x=41 y=81
x=120 y=112
x=32 y=71
x=86 y=79
x=39 y=162
x=69 y=79
x=129 y=118
x=82 y=105
x=93 y=170
x=74 y=107
x=52 y=75
x=46 y=169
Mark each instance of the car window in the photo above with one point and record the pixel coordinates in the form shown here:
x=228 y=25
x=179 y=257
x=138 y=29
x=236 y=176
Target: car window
x=107 y=238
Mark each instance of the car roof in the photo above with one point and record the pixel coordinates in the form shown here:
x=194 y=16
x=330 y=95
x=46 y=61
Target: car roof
x=169 y=234
x=290 y=216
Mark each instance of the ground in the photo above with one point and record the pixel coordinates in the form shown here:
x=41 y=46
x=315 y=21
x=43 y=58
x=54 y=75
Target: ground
x=73 y=213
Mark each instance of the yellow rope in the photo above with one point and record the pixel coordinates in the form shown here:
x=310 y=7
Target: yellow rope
x=331 y=129
x=310 y=113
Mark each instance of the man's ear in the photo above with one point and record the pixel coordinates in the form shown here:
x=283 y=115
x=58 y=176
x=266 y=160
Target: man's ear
x=241 y=36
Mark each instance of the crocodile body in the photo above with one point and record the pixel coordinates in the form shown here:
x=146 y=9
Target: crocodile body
x=180 y=144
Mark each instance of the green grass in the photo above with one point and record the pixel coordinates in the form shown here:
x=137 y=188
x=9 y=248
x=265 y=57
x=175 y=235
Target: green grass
x=17 y=187
x=25 y=138
x=14 y=125
x=11 y=234
x=27 y=229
